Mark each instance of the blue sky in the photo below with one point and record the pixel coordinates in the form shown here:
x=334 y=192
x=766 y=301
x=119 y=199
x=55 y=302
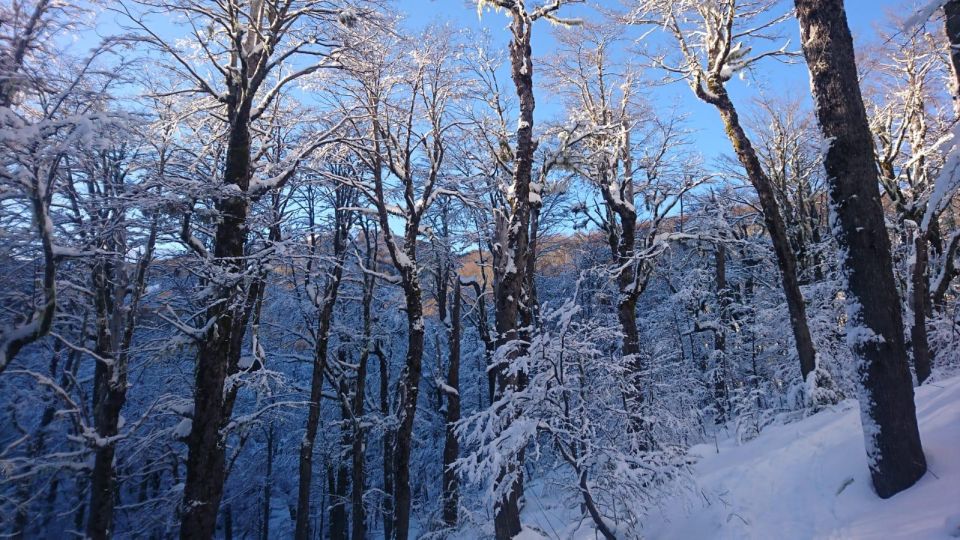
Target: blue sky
x=772 y=77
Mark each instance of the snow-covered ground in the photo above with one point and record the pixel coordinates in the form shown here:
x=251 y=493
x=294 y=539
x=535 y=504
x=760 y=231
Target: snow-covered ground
x=804 y=480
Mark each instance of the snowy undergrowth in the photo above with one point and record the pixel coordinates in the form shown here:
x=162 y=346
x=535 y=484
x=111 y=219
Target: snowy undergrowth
x=803 y=480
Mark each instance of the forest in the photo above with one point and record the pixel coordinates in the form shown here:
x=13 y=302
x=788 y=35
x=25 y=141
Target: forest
x=474 y=269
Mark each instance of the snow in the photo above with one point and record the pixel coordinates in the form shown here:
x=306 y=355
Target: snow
x=246 y=361
x=402 y=259
x=945 y=185
x=510 y=267
x=825 y=145
x=182 y=430
x=446 y=388
x=809 y=479
x=795 y=481
x=64 y=251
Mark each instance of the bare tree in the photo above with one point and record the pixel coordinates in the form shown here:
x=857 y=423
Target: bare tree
x=511 y=258
x=232 y=59
x=788 y=146
x=629 y=155
x=715 y=40
x=344 y=199
x=48 y=99
x=369 y=346
x=407 y=105
x=451 y=447
x=118 y=288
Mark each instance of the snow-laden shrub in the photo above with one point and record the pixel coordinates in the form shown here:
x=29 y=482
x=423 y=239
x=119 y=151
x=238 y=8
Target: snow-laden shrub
x=570 y=417
x=751 y=412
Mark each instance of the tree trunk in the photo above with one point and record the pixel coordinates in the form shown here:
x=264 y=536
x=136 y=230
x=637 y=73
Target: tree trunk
x=720 y=335
x=451 y=447
x=786 y=258
x=267 y=486
x=338 y=510
x=359 y=444
x=324 y=321
x=511 y=261
x=951 y=11
x=103 y=477
x=875 y=325
x=920 y=284
x=408 y=390
x=387 y=447
x=108 y=399
x=338 y=496
x=216 y=353
x=622 y=239
x=115 y=326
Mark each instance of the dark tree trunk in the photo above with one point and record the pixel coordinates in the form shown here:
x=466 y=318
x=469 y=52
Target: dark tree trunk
x=622 y=239
x=108 y=399
x=338 y=508
x=451 y=447
x=786 y=258
x=408 y=384
x=530 y=303
x=720 y=335
x=103 y=477
x=920 y=301
x=408 y=390
x=217 y=351
x=887 y=408
x=387 y=447
x=267 y=486
x=357 y=469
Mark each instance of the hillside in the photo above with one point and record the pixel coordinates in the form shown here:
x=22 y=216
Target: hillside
x=804 y=480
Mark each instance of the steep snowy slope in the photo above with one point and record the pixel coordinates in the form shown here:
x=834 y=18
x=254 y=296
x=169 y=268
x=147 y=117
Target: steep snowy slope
x=799 y=481
x=809 y=479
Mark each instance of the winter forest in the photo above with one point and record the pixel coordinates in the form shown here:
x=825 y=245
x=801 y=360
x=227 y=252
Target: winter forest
x=478 y=269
